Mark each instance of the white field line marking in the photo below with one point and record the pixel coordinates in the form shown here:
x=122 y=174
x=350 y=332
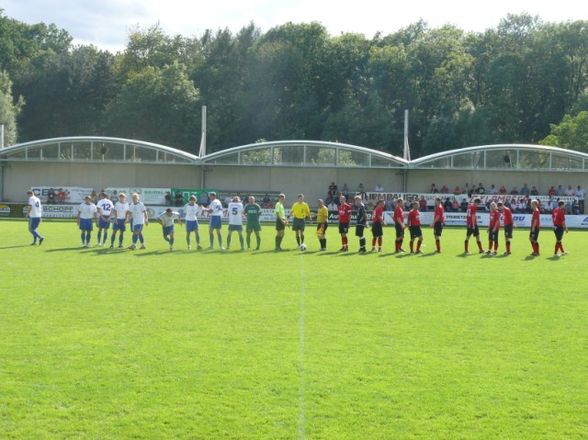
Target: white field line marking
x=301 y=384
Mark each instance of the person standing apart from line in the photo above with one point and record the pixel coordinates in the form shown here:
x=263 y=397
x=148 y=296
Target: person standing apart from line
x=121 y=207
x=253 y=211
x=281 y=221
x=235 y=210
x=438 y=223
x=105 y=208
x=472 y=225
x=398 y=218
x=300 y=211
x=493 y=229
x=559 y=226
x=167 y=219
x=377 y=222
x=215 y=209
x=191 y=212
x=138 y=214
x=508 y=224
x=87 y=214
x=344 y=220
x=535 y=226
x=322 y=223
x=414 y=227
x=360 y=223
x=35 y=215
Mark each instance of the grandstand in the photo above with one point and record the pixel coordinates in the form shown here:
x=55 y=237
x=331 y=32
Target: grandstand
x=270 y=167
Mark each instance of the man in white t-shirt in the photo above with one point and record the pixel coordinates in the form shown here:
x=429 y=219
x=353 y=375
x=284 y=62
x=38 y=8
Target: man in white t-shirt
x=215 y=209
x=87 y=214
x=105 y=208
x=138 y=214
x=235 y=211
x=191 y=212
x=121 y=207
x=581 y=195
x=35 y=214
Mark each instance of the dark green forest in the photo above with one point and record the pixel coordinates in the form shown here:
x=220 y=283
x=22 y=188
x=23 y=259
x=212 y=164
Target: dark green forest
x=523 y=81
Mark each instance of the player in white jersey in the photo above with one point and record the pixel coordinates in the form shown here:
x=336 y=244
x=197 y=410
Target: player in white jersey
x=120 y=214
x=167 y=219
x=138 y=214
x=191 y=212
x=87 y=214
x=235 y=210
x=105 y=208
x=35 y=214
x=215 y=208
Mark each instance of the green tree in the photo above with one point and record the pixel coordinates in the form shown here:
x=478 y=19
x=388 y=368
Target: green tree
x=9 y=109
x=571 y=132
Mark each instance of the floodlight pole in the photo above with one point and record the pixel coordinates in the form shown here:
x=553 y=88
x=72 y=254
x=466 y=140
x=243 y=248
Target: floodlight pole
x=202 y=151
x=1 y=135
x=406 y=146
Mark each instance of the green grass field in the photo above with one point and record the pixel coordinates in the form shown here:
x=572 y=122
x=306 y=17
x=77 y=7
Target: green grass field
x=108 y=344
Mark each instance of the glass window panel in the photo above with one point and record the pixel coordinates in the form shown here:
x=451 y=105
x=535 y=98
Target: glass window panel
x=381 y=162
x=65 y=151
x=501 y=158
x=562 y=162
x=443 y=162
x=34 y=153
x=533 y=159
x=462 y=160
x=292 y=155
x=19 y=154
x=262 y=156
x=320 y=156
x=231 y=159
x=50 y=151
x=143 y=154
x=82 y=150
x=350 y=158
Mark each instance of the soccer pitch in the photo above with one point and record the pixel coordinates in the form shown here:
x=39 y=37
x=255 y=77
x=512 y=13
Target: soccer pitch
x=111 y=344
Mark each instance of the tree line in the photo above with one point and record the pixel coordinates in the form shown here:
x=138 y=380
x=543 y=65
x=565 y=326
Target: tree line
x=513 y=83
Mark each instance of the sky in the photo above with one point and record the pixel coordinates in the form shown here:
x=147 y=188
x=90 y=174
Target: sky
x=107 y=23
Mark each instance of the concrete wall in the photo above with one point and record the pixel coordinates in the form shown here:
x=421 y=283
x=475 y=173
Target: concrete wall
x=19 y=176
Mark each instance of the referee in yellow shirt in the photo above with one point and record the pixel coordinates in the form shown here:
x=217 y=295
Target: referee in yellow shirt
x=299 y=212
x=322 y=219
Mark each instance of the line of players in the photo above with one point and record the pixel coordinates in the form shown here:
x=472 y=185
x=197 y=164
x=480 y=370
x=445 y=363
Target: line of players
x=135 y=214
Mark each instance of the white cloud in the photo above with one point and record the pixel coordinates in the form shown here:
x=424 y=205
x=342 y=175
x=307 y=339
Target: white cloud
x=106 y=23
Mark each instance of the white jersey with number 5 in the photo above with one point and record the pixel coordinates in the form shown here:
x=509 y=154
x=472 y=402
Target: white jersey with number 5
x=235 y=213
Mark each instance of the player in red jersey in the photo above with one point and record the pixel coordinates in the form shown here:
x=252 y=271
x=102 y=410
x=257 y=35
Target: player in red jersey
x=559 y=226
x=398 y=218
x=438 y=223
x=377 y=222
x=493 y=228
x=535 y=225
x=508 y=224
x=344 y=220
x=472 y=225
x=414 y=226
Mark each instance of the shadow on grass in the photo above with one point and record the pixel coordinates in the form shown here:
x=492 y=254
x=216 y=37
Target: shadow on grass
x=529 y=257
x=554 y=258
x=16 y=246
x=322 y=254
x=430 y=254
x=77 y=248
x=156 y=252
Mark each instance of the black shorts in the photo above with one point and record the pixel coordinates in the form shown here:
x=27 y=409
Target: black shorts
x=298 y=224
x=280 y=226
x=438 y=229
x=377 y=229
x=343 y=228
x=399 y=230
x=359 y=230
x=508 y=232
x=475 y=231
x=559 y=232
x=321 y=228
x=493 y=236
x=534 y=234
x=415 y=232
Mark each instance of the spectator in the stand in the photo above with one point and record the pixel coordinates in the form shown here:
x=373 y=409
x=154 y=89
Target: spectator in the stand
x=51 y=196
x=345 y=191
x=581 y=195
x=457 y=190
x=266 y=200
x=444 y=189
x=361 y=191
x=379 y=188
x=534 y=191
x=390 y=205
x=468 y=190
x=422 y=204
x=481 y=189
x=333 y=190
x=203 y=199
x=502 y=190
x=464 y=205
x=447 y=205
x=168 y=199
x=332 y=206
x=454 y=205
x=561 y=191
x=575 y=208
x=434 y=189
x=93 y=196
x=514 y=191
x=179 y=199
x=525 y=190
x=569 y=191
x=552 y=191
x=492 y=190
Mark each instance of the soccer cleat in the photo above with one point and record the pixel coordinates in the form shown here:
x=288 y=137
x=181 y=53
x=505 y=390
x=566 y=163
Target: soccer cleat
x=41 y=240
x=120 y=246
x=493 y=253
x=466 y=253
x=362 y=250
x=209 y=248
x=342 y=249
x=418 y=252
x=33 y=243
x=199 y=247
x=506 y=253
x=481 y=251
x=171 y=248
x=189 y=247
x=562 y=254
x=111 y=246
x=373 y=249
x=143 y=246
x=322 y=249
x=132 y=247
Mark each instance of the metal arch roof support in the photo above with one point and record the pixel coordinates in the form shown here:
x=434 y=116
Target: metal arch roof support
x=416 y=163
x=174 y=152
x=398 y=161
